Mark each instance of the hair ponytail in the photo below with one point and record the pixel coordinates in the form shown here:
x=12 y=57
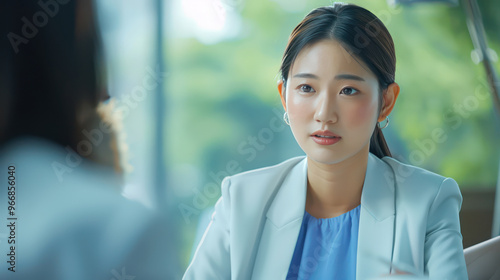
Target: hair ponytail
x=378 y=145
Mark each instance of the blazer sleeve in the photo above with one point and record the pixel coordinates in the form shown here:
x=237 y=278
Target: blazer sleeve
x=212 y=257
x=444 y=255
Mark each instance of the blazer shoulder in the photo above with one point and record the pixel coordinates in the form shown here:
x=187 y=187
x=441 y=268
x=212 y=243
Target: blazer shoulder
x=262 y=179
x=407 y=171
x=267 y=172
x=410 y=177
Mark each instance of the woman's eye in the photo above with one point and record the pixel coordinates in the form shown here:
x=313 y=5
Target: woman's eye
x=306 y=88
x=348 y=91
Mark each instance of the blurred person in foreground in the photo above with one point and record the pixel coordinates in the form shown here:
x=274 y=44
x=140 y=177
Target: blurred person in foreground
x=61 y=212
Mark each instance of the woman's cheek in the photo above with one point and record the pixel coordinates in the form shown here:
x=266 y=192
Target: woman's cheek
x=298 y=107
x=362 y=114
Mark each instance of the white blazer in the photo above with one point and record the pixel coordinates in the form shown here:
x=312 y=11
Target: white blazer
x=409 y=218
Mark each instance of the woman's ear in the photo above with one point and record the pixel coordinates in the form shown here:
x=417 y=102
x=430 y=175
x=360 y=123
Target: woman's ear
x=389 y=100
x=281 y=89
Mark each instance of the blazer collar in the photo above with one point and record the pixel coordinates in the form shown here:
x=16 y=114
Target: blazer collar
x=290 y=201
x=377 y=196
x=282 y=226
x=377 y=215
x=376 y=222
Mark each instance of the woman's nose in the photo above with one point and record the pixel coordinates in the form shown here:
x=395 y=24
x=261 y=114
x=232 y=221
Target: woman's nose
x=326 y=109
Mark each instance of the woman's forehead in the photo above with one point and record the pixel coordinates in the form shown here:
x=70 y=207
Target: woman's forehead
x=328 y=58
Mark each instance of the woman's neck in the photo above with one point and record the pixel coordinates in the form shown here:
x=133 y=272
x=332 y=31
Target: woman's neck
x=333 y=189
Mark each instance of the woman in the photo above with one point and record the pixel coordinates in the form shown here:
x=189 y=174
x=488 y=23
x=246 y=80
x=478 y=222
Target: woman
x=347 y=210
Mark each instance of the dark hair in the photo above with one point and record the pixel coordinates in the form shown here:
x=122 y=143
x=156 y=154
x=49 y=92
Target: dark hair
x=50 y=82
x=362 y=34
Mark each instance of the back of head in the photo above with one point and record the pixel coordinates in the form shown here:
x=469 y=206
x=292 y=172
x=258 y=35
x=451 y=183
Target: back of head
x=49 y=82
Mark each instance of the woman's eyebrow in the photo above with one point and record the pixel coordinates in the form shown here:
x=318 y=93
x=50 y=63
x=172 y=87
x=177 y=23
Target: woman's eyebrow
x=338 y=77
x=349 y=77
x=306 y=75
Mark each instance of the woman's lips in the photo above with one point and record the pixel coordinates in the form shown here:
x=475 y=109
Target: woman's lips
x=325 y=137
x=325 y=140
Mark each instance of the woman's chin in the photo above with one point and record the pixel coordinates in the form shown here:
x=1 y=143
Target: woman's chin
x=326 y=157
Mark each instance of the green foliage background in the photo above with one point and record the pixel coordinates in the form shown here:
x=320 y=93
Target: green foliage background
x=226 y=92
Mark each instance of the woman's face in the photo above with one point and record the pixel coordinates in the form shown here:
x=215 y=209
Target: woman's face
x=330 y=94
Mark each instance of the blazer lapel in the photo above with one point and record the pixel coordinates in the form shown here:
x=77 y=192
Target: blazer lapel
x=282 y=227
x=376 y=228
x=376 y=225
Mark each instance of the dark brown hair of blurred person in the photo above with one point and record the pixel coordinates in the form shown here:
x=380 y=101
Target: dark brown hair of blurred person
x=51 y=76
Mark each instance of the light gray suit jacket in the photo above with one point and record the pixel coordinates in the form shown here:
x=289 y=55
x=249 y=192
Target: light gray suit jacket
x=409 y=221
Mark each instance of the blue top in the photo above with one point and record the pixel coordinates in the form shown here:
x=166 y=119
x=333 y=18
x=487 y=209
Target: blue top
x=326 y=248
